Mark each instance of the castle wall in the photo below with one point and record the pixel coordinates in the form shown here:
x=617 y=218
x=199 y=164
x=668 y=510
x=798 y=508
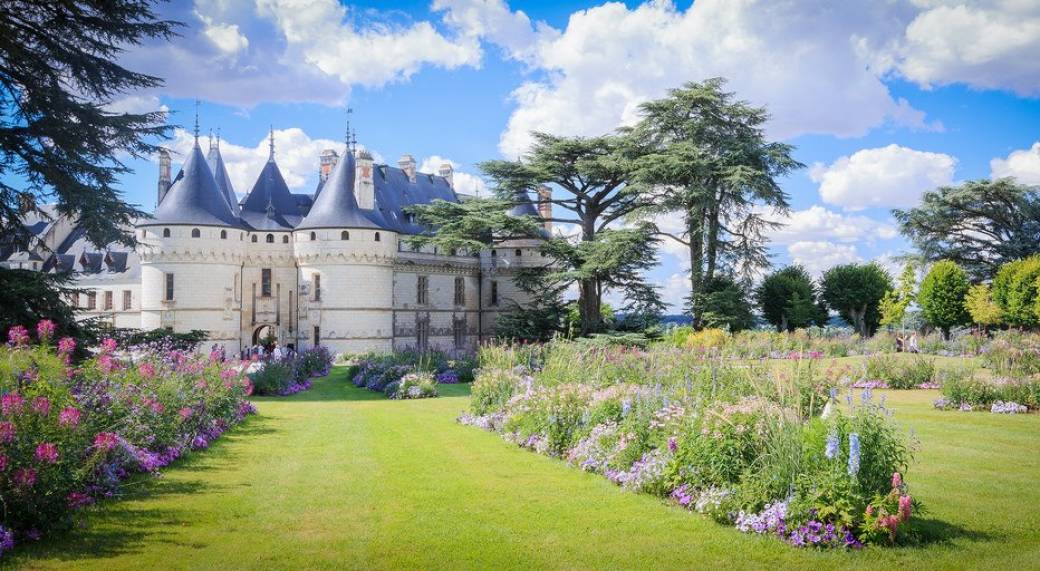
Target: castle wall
x=435 y=319
x=272 y=309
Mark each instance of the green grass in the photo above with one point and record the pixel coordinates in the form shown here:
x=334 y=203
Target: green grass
x=339 y=477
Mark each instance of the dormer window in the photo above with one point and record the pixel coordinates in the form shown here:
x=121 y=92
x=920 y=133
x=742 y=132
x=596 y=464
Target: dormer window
x=165 y=232
x=344 y=235
x=196 y=233
x=519 y=252
x=270 y=238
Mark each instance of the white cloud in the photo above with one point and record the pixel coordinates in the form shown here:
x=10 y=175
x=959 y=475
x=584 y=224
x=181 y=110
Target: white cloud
x=225 y=37
x=818 y=223
x=674 y=290
x=818 y=256
x=136 y=104
x=886 y=177
x=465 y=183
x=1023 y=164
x=295 y=152
x=803 y=60
x=990 y=44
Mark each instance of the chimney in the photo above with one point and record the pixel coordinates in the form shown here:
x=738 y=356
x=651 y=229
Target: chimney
x=328 y=159
x=448 y=173
x=407 y=164
x=164 y=174
x=545 y=206
x=364 y=192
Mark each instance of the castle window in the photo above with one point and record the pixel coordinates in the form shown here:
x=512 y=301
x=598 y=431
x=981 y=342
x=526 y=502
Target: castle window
x=422 y=333
x=435 y=249
x=285 y=239
x=223 y=234
x=314 y=236
x=253 y=239
x=169 y=288
x=422 y=290
x=165 y=232
x=91 y=300
x=458 y=331
x=344 y=235
x=75 y=299
x=317 y=335
x=127 y=300
x=316 y=279
x=265 y=282
x=377 y=236
x=195 y=233
x=519 y=252
x=270 y=238
x=108 y=301
x=460 y=291
x=494 y=293
x=494 y=253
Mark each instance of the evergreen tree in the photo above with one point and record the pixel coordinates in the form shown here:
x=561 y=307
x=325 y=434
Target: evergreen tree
x=855 y=292
x=724 y=304
x=787 y=299
x=710 y=162
x=942 y=295
x=980 y=224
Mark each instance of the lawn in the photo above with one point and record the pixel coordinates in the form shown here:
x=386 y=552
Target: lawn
x=340 y=477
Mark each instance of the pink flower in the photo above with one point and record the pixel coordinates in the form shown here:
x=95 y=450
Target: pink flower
x=897 y=480
x=66 y=345
x=3 y=462
x=11 y=404
x=77 y=500
x=870 y=510
x=185 y=413
x=69 y=417
x=147 y=370
x=6 y=431
x=24 y=477
x=45 y=329
x=108 y=345
x=905 y=506
x=41 y=406
x=18 y=335
x=47 y=453
x=107 y=364
x=106 y=441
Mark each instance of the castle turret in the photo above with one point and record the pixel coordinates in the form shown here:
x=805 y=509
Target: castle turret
x=164 y=174
x=220 y=176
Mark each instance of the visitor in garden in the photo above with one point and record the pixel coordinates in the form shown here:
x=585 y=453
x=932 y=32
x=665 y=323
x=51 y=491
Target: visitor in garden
x=913 y=343
x=899 y=343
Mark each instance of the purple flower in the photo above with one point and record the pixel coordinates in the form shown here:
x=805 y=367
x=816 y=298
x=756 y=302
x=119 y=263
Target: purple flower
x=41 y=406
x=66 y=345
x=45 y=329
x=47 y=453
x=69 y=417
x=831 y=451
x=18 y=336
x=673 y=444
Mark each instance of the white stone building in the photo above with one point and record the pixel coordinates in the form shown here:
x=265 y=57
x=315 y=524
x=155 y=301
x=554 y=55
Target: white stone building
x=331 y=268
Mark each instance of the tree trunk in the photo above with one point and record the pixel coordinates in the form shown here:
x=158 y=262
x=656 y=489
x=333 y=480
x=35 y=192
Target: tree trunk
x=588 y=290
x=712 y=241
x=695 y=229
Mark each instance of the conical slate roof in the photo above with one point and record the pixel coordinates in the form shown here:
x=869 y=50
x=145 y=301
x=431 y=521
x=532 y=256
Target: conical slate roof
x=336 y=206
x=194 y=197
x=270 y=205
x=220 y=175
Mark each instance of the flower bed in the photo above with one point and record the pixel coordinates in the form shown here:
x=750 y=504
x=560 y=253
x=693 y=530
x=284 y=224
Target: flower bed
x=745 y=446
x=70 y=435
x=289 y=375
x=418 y=374
x=1000 y=395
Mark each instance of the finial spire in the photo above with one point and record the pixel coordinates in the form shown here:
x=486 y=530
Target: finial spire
x=218 y=138
x=211 y=139
x=196 y=120
x=271 y=144
x=346 y=136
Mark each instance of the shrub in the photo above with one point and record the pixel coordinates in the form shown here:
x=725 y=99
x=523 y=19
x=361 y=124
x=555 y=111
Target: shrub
x=413 y=386
x=70 y=436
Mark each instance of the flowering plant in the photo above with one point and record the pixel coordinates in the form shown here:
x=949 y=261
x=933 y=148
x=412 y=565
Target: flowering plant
x=886 y=515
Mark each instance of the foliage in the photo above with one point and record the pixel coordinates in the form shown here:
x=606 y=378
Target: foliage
x=1015 y=291
x=709 y=161
x=980 y=224
x=69 y=437
x=723 y=303
x=942 y=295
x=788 y=299
x=916 y=372
x=974 y=393
x=981 y=307
x=894 y=304
x=413 y=386
x=385 y=372
x=28 y=297
x=290 y=374
x=855 y=291
x=170 y=340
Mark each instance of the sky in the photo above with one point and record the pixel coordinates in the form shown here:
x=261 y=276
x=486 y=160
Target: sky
x=883 y=100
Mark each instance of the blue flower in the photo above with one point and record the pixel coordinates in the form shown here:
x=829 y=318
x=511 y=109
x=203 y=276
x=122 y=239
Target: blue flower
x=831 y=451
x=853 y=454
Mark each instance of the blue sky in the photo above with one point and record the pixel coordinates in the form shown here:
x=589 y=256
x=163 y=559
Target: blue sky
x=883 y=100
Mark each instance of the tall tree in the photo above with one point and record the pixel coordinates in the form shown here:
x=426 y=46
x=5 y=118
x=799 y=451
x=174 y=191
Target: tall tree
x=724 y=303
x=855 y=292
x=979 y=224
x=589 y=178
x=711 y=163
x=58 y=143
x=942 y=295
x=788 y=298
x=980 y=305
x=1015 y=290
x=896 y=301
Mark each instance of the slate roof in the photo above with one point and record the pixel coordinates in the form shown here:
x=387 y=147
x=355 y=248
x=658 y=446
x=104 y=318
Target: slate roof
x=394 y=192
x=220 y=175
x=335 y=205
x=194 y=197
x=270 y=205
